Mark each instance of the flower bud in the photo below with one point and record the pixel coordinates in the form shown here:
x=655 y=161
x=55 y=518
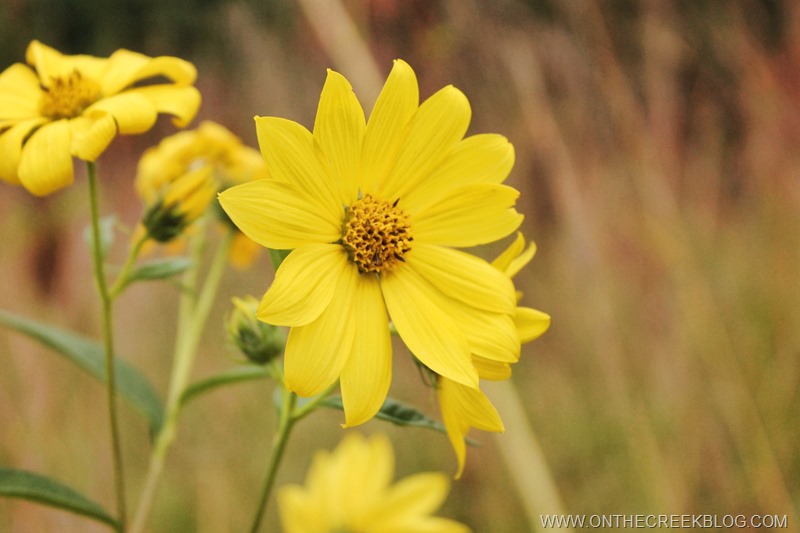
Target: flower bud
x=179 y=203
x=259 y=341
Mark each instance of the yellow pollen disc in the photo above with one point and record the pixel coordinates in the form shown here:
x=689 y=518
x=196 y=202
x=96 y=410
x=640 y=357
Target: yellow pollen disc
x=68 y=96
x=376 y=234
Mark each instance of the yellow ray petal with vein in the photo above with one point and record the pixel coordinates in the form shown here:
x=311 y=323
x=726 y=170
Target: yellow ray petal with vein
x=304 y=285
x=366 y=376
x=46 y=163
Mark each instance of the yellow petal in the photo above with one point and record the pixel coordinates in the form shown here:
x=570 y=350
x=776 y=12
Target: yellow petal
x=434 y=130
x=181 y=102
x=455 y=427
x=484 y=158
x=472 y=215
x=91 y=134
x=295 y=515
x=366 y=376
x=317 y=352
x=394 y=108
x=464 y=277
x=521 y=260
x=46 y=163
x=124 y=68
x=132 y=112
x=288 y=149
x=50 y=63
x=462 y=408
x=503 y=261
x=490 y=335
x=278 y=216
x=416 y=495
x=19 y=93
x=366 y=468
x=531 y=323
x=475 y=409
x=491 y=370
x=425 y=328
x=425 y=524
x=11 y=148
x=304 y=285
x=339 y=131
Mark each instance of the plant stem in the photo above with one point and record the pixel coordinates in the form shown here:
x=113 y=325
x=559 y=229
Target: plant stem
x=285 y=425
x=192 y=318
x=122 y=279
x=108 y=342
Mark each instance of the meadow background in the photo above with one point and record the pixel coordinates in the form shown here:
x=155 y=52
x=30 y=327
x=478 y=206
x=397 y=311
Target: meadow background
x=658 y=155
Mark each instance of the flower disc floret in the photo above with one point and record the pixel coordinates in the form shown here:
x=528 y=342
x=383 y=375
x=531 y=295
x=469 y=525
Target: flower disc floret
x=376 y=234
x=68 y=96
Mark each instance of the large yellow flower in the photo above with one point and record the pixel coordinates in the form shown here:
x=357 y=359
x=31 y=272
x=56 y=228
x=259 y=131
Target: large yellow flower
x=62 y=106
x=463 y=407
x=350 y=491
x=373 y=212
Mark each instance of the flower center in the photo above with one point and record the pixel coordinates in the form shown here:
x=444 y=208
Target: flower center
x=68 y=96
x=376 y=234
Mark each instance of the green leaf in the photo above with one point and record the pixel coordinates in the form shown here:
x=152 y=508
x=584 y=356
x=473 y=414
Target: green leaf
x=106 y=234
x=398 y=413
x=89 y=355
x=38 y=488
x=159 y=269
x=234 y=375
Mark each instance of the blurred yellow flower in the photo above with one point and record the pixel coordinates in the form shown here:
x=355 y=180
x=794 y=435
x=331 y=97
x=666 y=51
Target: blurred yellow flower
x=373 y=211
x=62 y=106
x=349 y=490
x=210 y=150
x=463 y=407
x=178 y=203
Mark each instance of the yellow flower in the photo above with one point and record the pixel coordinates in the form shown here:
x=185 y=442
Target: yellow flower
x=373 y=212
x=62 y=106
x=349 y=491
x=210 y=150
x=463 y=407
x=178 y=203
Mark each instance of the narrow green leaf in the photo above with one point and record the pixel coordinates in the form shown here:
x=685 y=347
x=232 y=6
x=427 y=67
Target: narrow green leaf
x=399 y=413
x=159 y=269
x=88 y=354
x=106 y=234
x=234 y=375
x=36 y=487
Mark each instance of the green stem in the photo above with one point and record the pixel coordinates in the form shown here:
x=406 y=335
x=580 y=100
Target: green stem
x=285 y=425
x=307 y=408
x=108 y=343
x=122 y=279
x=193 y=315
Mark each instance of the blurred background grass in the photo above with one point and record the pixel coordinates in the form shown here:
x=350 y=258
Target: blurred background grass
x=657 y=155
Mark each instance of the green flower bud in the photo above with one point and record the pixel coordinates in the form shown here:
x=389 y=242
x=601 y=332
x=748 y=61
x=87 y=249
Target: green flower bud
x=259 y=341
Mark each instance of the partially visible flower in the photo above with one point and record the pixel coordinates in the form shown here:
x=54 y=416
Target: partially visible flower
x=210 y=149
x=59 y=106
x=463 y=407
x=531 y=323
x=258 y=341
x=374 y=212
x=349 y=491
x=178 y=203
